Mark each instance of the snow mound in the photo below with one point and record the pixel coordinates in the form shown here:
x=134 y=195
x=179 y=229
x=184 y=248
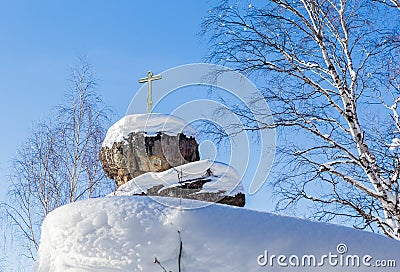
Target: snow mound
x=139 y=234
x=223 y=179
x=151 y=124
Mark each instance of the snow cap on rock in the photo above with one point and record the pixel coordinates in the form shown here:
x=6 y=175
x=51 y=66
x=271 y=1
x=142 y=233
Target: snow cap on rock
x=151 y=124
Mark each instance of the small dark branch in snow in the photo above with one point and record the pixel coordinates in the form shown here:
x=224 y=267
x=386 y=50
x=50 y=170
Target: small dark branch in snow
x=156 y=261
x=180 y=251
x=209 y=173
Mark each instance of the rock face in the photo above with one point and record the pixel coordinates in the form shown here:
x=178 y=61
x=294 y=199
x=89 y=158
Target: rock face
x=138 y=154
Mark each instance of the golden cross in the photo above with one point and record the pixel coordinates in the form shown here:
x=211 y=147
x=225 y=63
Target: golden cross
x=149 y=79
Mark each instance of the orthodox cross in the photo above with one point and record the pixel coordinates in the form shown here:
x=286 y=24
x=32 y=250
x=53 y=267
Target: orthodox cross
x=149 y=79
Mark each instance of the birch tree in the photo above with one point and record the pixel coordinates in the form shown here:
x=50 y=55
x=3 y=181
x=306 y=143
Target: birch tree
x=329 y=70
x=58 y=164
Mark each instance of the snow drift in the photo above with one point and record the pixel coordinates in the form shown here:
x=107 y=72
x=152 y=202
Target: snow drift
x=128 y=233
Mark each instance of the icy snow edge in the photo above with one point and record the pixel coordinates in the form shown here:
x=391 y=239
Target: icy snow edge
x=151 y=124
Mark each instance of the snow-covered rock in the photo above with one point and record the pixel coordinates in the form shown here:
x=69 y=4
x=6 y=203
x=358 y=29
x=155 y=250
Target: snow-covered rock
x=150 y=124
x=142 y=143
x=202 y=180
x=153 y=154
x=140 y=234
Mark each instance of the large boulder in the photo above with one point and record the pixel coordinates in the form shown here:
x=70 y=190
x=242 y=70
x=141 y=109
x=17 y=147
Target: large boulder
x=142 y=143
x=157 y=155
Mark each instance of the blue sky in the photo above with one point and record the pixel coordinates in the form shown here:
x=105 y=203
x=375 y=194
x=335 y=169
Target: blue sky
x=122 y=39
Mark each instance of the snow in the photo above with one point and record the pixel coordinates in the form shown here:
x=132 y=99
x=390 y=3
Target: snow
x=223 y=179
x=394 y=144
x=127 y=233
x=151 y=124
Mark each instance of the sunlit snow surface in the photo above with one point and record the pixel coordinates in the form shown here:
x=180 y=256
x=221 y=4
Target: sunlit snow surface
x=223 y=178
x=126 y=233
x=151 y=124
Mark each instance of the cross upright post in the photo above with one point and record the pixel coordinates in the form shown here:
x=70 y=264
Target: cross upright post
x=149 y=79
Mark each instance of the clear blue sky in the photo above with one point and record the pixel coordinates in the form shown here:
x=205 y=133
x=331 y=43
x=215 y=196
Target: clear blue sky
x=122 y=39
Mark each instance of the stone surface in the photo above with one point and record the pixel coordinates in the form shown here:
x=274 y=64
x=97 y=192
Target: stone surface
x=138 y=153
x=190 y=190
